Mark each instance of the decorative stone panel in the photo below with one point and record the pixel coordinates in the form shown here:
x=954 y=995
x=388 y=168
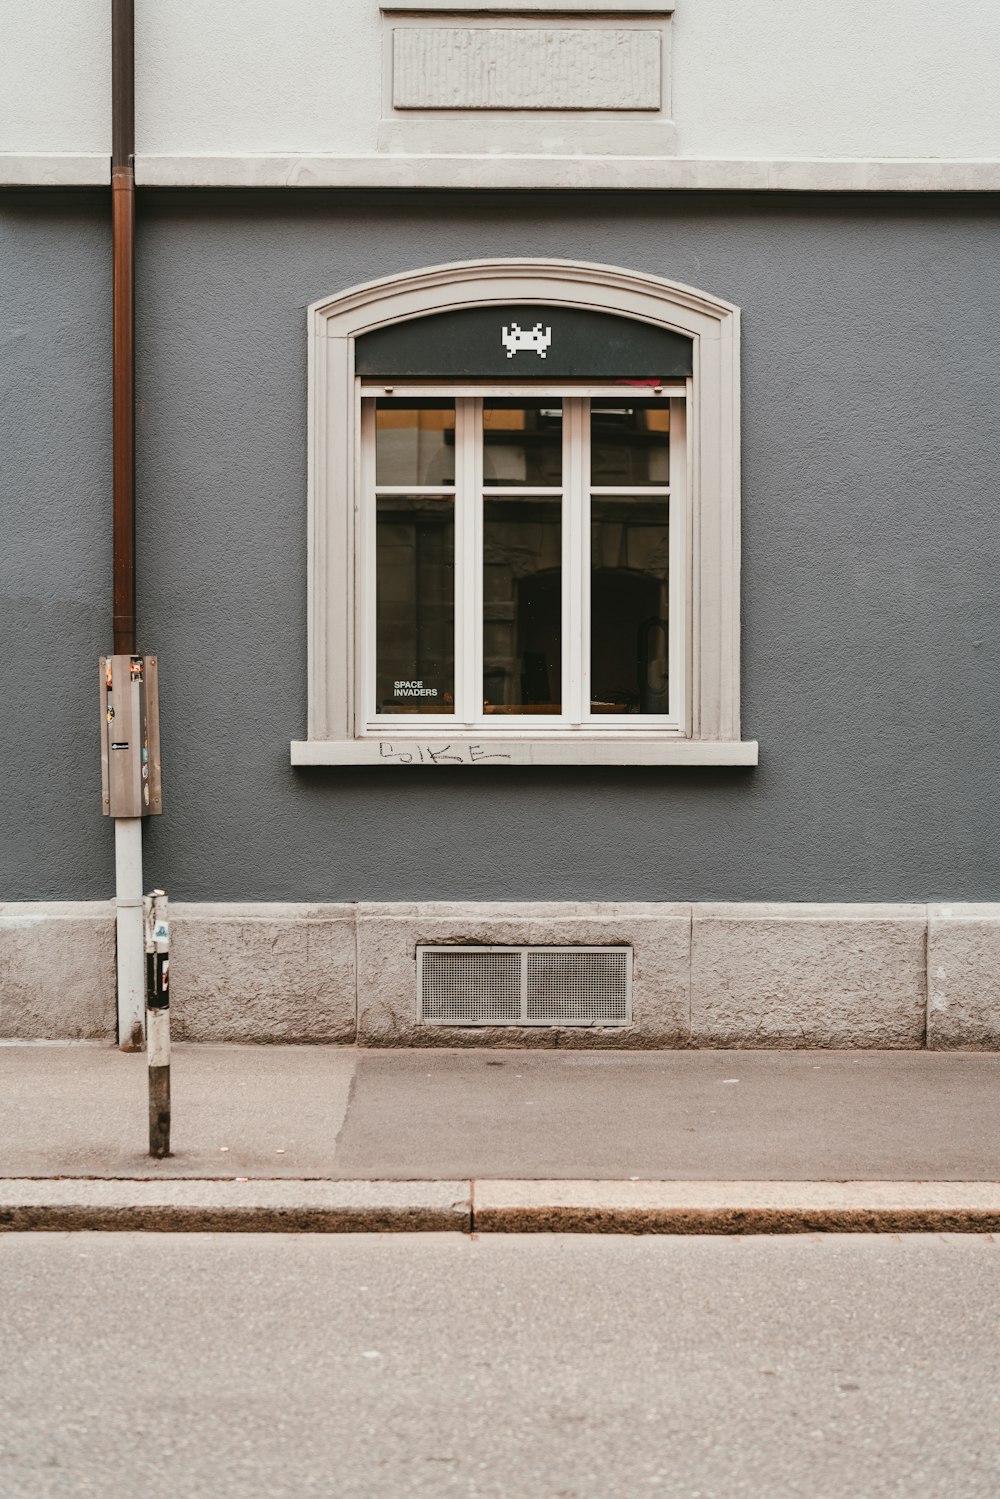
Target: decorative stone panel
x=450 y=67
x=538 y=78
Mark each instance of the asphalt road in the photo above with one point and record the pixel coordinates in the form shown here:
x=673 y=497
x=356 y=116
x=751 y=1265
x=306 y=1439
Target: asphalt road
x=356 y=1367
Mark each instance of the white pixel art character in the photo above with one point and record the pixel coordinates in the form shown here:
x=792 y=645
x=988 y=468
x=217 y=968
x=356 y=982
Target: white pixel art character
x=515 y=337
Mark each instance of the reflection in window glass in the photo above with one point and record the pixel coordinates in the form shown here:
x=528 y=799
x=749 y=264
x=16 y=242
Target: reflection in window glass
x=522 y=443
x=415 y=605
x=414 y=442
x=629 y=443
x=522 y=605
x=630 y=556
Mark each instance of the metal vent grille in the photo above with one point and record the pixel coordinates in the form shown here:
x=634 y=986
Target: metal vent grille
x=578 y=986
x=470 y=986
x=524 y=985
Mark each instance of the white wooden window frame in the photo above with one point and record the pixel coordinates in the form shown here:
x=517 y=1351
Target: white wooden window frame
x=575 y=493
x=707 y=726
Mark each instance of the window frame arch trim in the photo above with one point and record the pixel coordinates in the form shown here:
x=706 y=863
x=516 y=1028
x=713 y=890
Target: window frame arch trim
x=713 y=325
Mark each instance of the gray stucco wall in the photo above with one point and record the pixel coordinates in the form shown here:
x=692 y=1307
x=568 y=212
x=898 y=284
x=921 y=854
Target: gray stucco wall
x=55 y=542
x=871 y=580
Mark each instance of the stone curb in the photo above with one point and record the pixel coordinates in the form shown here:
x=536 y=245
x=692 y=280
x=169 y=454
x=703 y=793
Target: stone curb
x=290 y=1206
x=273 y=1206
x=742 y=1207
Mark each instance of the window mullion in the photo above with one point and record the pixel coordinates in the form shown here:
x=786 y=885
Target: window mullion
x=576 y=590
x=365 y=573
x=586 y=613
x=468 y=559
x=570 y=547
x=569 y=664
x=679 y=583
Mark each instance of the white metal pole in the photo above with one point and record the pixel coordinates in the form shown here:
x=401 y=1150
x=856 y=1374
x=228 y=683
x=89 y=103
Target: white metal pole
x=131 y=938
x=157 y=944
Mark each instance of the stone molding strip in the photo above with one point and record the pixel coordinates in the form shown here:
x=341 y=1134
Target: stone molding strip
x=638 y=173
x=612 y=173
x=54 y=169
x=754 y=975
x=269 y=1206
x=528 y=7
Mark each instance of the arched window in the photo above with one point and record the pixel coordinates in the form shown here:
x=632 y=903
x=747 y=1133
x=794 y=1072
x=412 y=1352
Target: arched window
x=523 y=520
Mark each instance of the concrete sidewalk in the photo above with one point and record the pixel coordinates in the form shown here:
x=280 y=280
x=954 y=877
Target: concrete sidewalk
x=576 y=1139
x=345 y=1113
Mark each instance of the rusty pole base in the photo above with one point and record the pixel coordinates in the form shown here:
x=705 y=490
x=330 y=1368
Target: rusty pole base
x=159 y=1112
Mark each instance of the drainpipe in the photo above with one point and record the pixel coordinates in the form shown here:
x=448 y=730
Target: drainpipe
x=128 y=830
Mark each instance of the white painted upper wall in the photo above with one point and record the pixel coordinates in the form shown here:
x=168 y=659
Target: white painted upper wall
x=250 y=76
x=769 y=80
x=868 y=78
x=55 y=75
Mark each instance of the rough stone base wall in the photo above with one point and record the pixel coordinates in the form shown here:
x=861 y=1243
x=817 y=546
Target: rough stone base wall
x=659 y=935
x=57 y=971
x=808 y=975
x=963 y=977
x=262 y=972
x=734 y=975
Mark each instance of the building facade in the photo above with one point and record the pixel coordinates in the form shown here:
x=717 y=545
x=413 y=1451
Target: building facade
x=567 y=453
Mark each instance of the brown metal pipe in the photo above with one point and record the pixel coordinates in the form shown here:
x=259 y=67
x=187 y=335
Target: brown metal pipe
x=123 y=328
x=123 y=236
x=122 y=82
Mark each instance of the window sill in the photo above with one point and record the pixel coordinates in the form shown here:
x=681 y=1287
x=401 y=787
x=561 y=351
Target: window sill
x=440 y=749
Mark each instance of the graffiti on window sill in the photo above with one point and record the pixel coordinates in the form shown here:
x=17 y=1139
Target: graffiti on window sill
x=439 y=754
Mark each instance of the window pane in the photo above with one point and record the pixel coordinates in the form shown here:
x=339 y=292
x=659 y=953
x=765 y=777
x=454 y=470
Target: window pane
x=415 y=605
x=630 y=556
x=522 y=443
x=414 y=442
x=522 y=605
x=629 y=443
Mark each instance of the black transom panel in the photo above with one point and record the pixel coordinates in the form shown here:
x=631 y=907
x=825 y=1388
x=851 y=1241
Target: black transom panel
x=524 y=342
